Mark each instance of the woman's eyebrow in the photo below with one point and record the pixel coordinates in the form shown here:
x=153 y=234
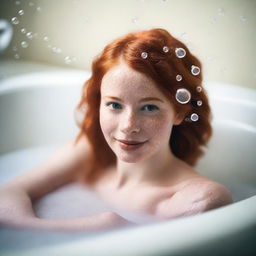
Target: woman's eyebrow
x=150 y=99
x=141 y=100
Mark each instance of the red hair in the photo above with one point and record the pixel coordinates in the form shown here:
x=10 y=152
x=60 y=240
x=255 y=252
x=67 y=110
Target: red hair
x=187 y=138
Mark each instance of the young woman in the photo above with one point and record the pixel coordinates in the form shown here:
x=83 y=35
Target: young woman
x=147 y=119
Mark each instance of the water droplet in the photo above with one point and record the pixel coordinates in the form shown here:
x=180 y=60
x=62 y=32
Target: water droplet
x=195 y=70
x=15 y=21
x=46 y=39
x=67 y=60
x=178 y=78
x=199 y=88
x=199 y=103
x=166 y=49
x=23 y=31
x=24 y=44
x=17 y=2
x=194 y=117
x=14 y=48
x=180 y=52
x=29 y=35
x=21 y=12
x=31 y=4
x=16 y=56
x=39 y=9
x=183 y=96
x=144 y=55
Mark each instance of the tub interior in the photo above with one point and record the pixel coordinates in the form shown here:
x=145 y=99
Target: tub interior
x=37 y=113
x=37 y=117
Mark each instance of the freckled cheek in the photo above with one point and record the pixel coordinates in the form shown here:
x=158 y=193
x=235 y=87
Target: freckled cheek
x=157 y=128
x=107 y=123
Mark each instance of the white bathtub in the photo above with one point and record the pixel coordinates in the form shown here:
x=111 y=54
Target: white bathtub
x=37 y=115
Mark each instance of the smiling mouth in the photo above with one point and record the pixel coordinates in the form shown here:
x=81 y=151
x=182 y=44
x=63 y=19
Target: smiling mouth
x=130 y=145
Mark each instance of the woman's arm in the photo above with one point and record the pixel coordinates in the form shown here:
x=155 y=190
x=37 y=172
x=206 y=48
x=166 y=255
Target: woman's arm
x=17 y=195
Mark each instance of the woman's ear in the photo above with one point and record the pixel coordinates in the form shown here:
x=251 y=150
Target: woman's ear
x=178 y=119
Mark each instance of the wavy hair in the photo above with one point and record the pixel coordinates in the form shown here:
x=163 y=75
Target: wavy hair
x=188 y=138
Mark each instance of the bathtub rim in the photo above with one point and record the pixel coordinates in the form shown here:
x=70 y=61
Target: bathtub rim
x=114 y=242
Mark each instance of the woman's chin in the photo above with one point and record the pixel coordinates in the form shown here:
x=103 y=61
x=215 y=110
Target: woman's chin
x=136 y=158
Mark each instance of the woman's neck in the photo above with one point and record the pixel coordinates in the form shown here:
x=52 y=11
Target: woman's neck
x=150 y=171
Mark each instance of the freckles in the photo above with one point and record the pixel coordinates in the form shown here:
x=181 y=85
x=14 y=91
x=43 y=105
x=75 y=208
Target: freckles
x=107 y=123
x=157 y=126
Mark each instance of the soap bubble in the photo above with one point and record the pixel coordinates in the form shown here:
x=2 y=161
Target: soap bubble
x=179 y=78
x=24 y=44
x=199 y=88
x=194 y=117
x=183 y=96
x=184 y=35
x=144 y=55
x=195 y=70
x=21 y=12
x=67 y=60
x=243 y=19
x=56 y=49
x=46 y=38
x=221 y=12
x=29 y=35
x=199 y=103
x=135 y=19
x=16 y=56
x=180 y=52
x=15 y=21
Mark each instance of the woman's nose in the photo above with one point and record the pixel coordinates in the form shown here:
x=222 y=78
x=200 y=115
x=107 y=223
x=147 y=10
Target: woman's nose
x=130 y=123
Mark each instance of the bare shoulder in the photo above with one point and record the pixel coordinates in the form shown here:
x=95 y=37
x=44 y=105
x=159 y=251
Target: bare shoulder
x=210 y=193
x=60 y=168
x=197 y=195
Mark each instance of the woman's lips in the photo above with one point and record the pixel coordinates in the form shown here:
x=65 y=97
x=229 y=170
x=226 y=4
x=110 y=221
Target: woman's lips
x=130 y=144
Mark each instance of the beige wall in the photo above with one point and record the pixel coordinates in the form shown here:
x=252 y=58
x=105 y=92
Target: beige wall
x=221 y=33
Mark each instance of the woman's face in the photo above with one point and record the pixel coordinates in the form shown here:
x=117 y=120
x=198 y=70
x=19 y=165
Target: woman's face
x=135 y=117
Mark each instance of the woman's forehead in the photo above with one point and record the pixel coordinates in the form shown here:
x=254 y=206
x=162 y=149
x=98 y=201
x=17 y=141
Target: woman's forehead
x=123 y=79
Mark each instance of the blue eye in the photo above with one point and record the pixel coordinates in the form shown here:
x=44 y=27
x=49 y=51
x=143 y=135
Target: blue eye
x=150 y=108
x=114 y=105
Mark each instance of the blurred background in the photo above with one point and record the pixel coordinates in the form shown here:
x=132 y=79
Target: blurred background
x=70 y=33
